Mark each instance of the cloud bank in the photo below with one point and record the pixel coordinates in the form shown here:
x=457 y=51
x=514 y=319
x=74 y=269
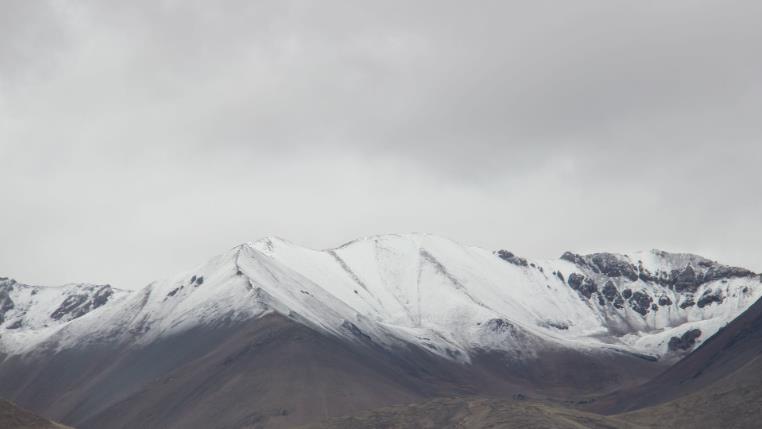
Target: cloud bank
x=139 y=138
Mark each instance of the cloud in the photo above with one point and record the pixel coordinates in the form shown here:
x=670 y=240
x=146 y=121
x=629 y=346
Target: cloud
x=139 y=138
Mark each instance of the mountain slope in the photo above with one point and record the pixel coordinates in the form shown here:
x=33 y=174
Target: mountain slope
x=720 y=380
x=273 y=372
x=277 y=372
x=13 y=417
x=718 y=385
x=732 y=401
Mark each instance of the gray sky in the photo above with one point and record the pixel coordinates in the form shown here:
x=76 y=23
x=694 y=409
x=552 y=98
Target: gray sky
x=140 y=138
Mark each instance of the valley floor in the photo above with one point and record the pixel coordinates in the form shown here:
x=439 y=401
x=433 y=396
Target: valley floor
x=476 y=413
x=728 y=407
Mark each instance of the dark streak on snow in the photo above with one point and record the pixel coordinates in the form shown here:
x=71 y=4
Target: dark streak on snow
x=442 y=270
x=349 y=271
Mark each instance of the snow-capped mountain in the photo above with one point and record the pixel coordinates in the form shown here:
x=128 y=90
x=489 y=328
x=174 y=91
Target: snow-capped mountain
x=409 y=289
x=272 y=333
x=30 y=314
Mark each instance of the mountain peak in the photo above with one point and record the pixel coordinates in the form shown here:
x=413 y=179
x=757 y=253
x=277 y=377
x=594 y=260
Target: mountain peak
x=267 y=244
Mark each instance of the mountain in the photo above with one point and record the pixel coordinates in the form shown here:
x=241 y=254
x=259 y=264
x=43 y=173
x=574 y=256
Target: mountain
x=13 y=417
x=271 y=333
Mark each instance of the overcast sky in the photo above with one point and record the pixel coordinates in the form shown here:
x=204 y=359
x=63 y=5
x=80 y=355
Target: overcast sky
x=140 y=138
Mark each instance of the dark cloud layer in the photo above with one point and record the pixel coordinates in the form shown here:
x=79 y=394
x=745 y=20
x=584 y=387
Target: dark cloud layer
x=139 y=138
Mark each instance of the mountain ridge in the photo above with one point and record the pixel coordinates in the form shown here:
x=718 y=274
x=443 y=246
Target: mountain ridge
x=600 y=278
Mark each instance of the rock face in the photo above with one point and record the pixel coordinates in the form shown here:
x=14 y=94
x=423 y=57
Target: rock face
x=6 y=303
x=641 y=302
x=685 y=280
x=685 y=341
x=510 y=257
x=710 y=297
x=575 y=280
x=610 y=291
x=78 y=305
x=574 y=258
x=719 y=272
x=692 y=270
x=612 y=266
x=690 y=278
x=682 y=274
x=588 y=288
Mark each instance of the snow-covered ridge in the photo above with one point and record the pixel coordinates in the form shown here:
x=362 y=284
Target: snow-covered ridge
x=33 y=307
x=429 y=291
x=29 y=314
